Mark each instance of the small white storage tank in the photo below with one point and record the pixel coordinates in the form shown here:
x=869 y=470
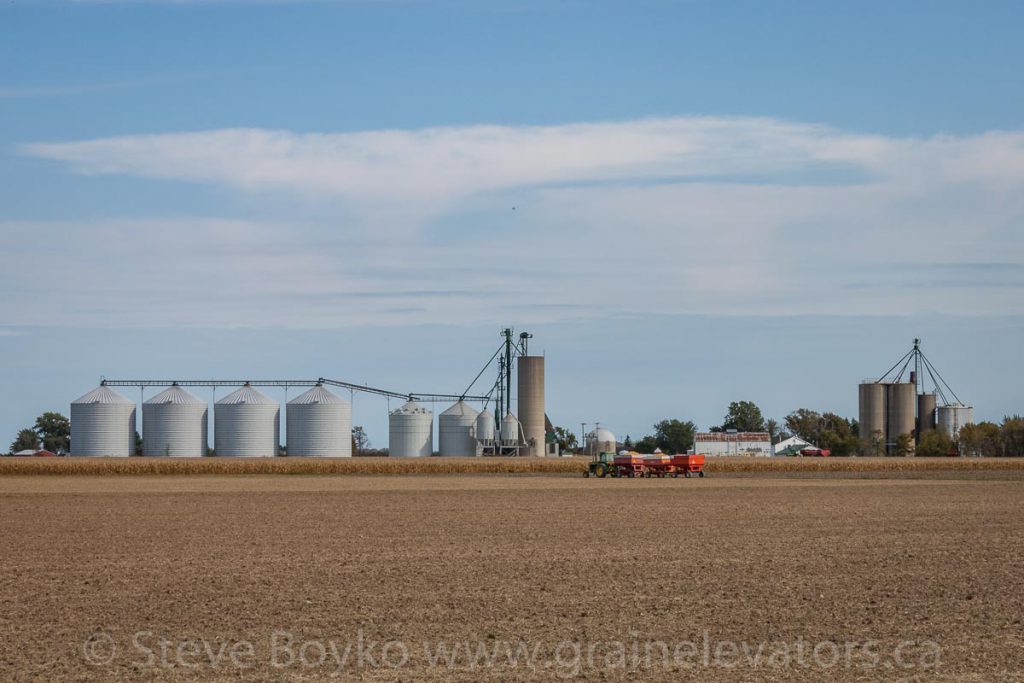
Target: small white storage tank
x=509 y=431
x=174 y=423
x=485 y=428
x=600 y=440
x=456 y=429
x=319 y=425
x=952 y=418
x=103 y=423
x=411 y=432
x=247 y=423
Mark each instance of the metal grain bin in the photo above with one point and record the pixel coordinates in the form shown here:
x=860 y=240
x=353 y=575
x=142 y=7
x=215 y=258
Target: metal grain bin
x=952 y=418
x=509 y=431
x=485 y=428
x=456 y=430
x=103 y=424
x=319 y=425
x=174 y=423
x=411 y=432
x=247 y=423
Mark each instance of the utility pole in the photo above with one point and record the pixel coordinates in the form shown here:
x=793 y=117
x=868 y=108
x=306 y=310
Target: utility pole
x=918 y=379
x=508 y=368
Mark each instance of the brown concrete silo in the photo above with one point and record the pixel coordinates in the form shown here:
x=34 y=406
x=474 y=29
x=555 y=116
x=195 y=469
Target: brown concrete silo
x=531 y=402
x=925 y=414
x=901 y=404
x=872 y=411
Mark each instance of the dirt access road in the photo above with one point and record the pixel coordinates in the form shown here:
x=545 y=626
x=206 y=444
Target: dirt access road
x=510 y=578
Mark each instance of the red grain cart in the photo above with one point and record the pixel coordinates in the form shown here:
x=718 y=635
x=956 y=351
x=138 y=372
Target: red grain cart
x=688 y=465
x=630 y=465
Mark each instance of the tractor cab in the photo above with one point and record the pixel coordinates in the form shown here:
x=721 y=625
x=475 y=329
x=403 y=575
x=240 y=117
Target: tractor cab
x=601 y=465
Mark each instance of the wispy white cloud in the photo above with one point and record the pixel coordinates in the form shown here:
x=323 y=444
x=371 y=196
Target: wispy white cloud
x=487 y=223
x=446 y=164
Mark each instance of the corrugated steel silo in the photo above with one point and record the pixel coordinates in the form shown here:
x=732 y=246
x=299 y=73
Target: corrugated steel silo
x=456 y=430
x=247 y=423
x=509 y=431
x=174 y=423
x=319 y=425
x=901 y=404
x=411 y=432
x=925 y=413
x=531 y=401
x=872 y=410
x=485 y=428
x=952 y=418
x=103 y=424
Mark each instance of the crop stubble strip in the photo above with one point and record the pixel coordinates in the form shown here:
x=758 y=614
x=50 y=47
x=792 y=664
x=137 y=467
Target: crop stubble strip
x=393 y=466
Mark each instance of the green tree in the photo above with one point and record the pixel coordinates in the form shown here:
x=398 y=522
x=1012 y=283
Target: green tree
x=875 y=446
x=935 y=443
x=838 y=435
x=775 y=431
x=55 y=431
x=805 y=423
x=744 y=416
x=360 y=441
x=138 y=443
x=27 y=440
x=565 y=438
x=646 y=445
x=674 y=436
x=904 y=445
x=983 y=439
x=1012 y=435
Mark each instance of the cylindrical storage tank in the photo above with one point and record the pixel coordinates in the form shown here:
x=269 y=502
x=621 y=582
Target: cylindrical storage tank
x=247 y=423
x=319 y=425
x=174 y=423
x=411 y=432
x=531 y=401
x=925 y=413
x=601 y=440
x=509 y=431
x=103 y=423
x=901 y=404
x=950 y=418
x=872 y=411
x=485 y=428
x=456 y=430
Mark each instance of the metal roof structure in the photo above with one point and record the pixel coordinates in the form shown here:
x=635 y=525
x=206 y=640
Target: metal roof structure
x=102 y=394
x=175 y=394
x=247 y=394
x=318 y=394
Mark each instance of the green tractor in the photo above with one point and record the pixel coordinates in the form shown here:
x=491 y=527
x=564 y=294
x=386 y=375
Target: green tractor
x=602 y=466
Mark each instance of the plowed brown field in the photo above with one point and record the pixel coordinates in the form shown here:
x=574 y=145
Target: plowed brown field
x=510 y=578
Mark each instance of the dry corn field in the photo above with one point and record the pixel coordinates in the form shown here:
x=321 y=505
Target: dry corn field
x=343 y=466
x=483 y=577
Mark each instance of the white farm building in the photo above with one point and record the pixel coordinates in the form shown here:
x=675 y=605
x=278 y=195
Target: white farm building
x=733 y=443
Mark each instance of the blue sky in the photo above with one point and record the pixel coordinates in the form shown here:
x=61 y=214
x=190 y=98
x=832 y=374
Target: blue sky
x=687 y=202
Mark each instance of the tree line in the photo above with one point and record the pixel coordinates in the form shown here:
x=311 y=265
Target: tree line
x=832 y=432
